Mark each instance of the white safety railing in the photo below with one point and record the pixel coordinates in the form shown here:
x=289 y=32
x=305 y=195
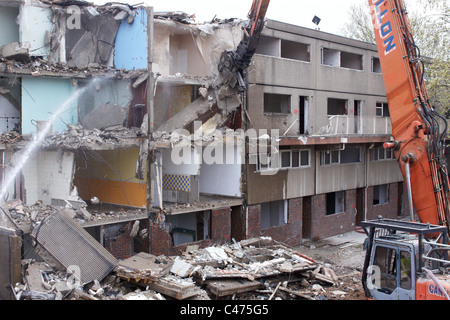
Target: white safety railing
x=356 y=125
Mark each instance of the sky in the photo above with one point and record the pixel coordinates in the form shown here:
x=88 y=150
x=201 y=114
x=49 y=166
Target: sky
x=333 y=13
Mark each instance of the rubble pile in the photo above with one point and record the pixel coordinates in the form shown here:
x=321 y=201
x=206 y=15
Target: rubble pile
x=77 y=137
x=257 y=268
x=9 y=137
x=28 y=217
x=253 y=269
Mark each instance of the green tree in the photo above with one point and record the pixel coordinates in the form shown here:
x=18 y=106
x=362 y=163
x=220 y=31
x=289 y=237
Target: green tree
x=430 y=24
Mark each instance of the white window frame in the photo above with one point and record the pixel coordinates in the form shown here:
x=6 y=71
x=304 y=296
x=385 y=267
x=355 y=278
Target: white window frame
x=388 y=154
x=259 y=168
x=332 y=160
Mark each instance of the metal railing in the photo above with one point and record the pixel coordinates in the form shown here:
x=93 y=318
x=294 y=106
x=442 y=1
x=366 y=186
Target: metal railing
x=356 y=125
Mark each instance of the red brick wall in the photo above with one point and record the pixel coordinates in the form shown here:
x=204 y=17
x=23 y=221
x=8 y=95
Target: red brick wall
x=118 y=241
x=323 y=226
x=221 y=225
x=289 y=233
x=254 y=221
x=161 y=240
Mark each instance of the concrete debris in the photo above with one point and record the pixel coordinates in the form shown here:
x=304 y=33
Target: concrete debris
x=104 y=116
x=226 y=270
x=256 y=268
x=77 y=137
x=28 y=217
x=10 y=137
x=16 y=51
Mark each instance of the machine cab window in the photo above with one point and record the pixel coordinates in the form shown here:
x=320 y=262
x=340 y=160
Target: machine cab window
x=392 y=270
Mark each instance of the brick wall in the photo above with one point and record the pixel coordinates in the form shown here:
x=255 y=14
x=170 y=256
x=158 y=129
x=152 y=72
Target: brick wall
x=221 y=225
x=289 y=233
x=160 y=240
x=162 y=243
x=118 y=241
x=323 y=225
x=253 y=221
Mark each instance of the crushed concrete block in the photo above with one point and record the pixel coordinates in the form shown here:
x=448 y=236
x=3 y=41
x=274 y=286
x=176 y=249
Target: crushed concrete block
x=181 y=268
x=15 y=51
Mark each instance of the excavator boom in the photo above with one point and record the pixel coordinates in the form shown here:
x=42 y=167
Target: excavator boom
x=418 y=130
x=233 y=63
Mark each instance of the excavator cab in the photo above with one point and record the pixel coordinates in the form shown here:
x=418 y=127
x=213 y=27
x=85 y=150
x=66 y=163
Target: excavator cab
x=396 y=253
x=391 y=275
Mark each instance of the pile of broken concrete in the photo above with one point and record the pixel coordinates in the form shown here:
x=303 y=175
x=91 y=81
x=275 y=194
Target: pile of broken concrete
x=258 y=268
x=78 y=137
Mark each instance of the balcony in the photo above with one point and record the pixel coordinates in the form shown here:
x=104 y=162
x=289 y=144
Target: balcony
x=339 y=125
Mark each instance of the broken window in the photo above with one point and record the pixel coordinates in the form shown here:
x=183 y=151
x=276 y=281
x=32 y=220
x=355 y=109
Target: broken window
x=331 y=57
x=382 y=109
x=380 y=194
x=348 y=155
x=269 y=46
x=336 y=58
x=376 y=65
x=277 y=103
x=273 y=214
x=303 y=114
x=335 y=202
x=337 y=107
x=286 y=159
x=295 y=50
x=351 y=61
x=267 y=161
x=274 y=47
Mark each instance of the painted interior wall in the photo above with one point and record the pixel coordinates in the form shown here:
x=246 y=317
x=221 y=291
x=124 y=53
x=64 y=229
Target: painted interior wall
x=42 y=97
x=34 y=23
x=130 y=51
x=169 y=100
x=222 y=175
x=9 y=32
x=46 y=175
x=110 y=176
x=185 y=161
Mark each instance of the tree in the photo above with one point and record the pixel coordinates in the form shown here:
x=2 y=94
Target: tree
x=430 y=24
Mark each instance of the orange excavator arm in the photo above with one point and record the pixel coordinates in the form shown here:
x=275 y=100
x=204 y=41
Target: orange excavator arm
x=233 y=63
x=419 y=131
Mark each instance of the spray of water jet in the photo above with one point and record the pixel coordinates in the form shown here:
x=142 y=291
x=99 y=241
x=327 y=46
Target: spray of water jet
x=37 y=141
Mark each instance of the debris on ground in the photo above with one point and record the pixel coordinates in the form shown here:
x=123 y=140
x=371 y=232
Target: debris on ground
x=258 y=269
x=251 y=269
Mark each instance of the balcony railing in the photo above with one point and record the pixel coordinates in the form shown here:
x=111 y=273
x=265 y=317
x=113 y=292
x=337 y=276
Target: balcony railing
x=355 y=125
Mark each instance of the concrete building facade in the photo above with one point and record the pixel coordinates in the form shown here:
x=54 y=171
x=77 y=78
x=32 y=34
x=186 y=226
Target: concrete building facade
x=325 y=96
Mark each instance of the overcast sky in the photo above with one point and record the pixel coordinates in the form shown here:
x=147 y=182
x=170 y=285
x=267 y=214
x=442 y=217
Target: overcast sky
x=333 y=13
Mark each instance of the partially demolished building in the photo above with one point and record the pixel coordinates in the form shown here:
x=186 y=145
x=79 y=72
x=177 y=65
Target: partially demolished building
x=140 y=140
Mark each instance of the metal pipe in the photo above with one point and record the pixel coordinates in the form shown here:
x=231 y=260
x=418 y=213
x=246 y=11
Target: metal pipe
x=408 y=183
x=436 y=281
